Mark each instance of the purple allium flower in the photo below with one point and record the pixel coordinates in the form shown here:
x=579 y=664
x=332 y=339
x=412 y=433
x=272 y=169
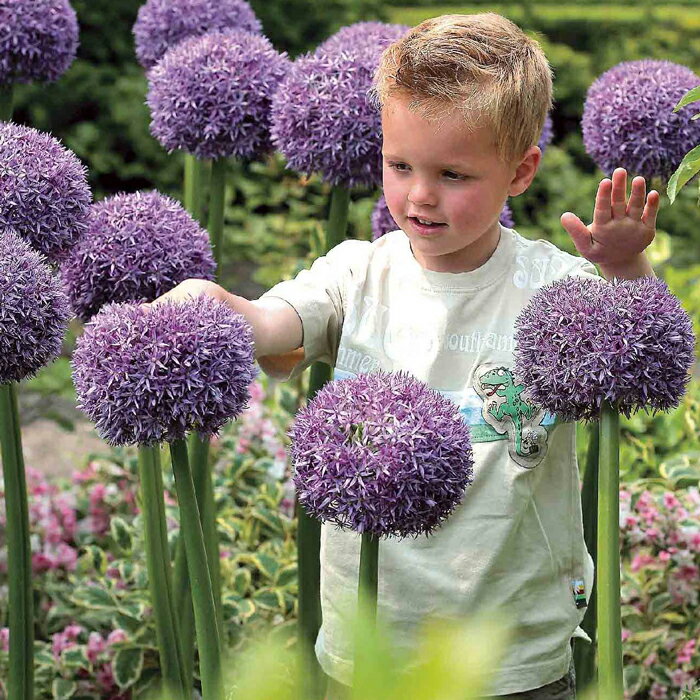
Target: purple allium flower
x=364 y=35
x=381 y=453
x=628 y=118
x=44 y=195
x=34 y=310
x=547 y=133
x=211 y=95
x=137 y=247
x=582 y=341
x=323 y=120
x=383 y=221
x=147 y=377
x=162 y=24
x=38 y=40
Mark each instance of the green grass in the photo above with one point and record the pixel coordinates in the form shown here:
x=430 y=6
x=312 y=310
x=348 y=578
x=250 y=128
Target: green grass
x=678 y=14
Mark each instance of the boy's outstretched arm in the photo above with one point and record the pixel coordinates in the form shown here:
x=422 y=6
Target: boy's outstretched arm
x=277 y=328
x=621 y=228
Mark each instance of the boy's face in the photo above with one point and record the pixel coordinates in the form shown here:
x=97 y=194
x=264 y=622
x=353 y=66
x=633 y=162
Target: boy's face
x=452 y=178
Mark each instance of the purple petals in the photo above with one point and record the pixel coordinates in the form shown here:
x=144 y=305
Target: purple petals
x=582 y=341
x=628 y=119
x=210 y=95
x=34 y=310
x=137 y=247
x=162 y=24
x=381 y=453
x=38 y=40
x=147 y=377
x=44 y=196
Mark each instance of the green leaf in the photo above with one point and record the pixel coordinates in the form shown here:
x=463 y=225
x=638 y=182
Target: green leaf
x=62 y=689
x=692 y=95
x=689 y=166
x=269 y=598
x=75 y=656
x=682 y=470
x=674 y=618
x=120 y=533
x=659 y=603
x=241 y=581
x=287 y=575
x=648 y=635
x=126 y=666
x=93 y=597
x=95 y=558
x=632 y=676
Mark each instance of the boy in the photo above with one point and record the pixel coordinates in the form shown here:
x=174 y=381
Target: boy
x=463 y=101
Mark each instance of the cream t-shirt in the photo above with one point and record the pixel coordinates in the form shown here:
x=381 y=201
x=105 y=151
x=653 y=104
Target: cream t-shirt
x=515 y=544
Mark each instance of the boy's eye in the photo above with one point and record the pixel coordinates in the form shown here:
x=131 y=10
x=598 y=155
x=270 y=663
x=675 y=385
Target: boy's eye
x=401 y=167
x=451 y=175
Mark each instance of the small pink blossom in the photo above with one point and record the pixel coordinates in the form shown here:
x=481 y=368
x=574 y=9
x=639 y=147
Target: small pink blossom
x=95 y=646
x=658 y=691
x=626 y=634
x=116 y=636
x=5 y=638
x=681 y=679
x=65 y=640
x=650 y=659
x=642 y=560
x=685 y=656
x=664 y=555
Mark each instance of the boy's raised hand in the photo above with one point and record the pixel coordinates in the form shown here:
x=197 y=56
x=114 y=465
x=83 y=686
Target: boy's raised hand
x=622 y=228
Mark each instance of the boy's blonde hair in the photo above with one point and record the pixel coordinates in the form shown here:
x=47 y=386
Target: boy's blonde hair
x=483 y=65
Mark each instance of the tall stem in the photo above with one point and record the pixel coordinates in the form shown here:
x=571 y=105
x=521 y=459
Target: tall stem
x=177 y=684
x=217 y=189
x=200 y=581
x=308 y=528
x=609 y=624
x=6 y=99
x=584 y=653
x=194 y=186
x=19 y=556
x=366 y=594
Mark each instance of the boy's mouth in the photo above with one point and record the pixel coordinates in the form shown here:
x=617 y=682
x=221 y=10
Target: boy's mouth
x=425 y=226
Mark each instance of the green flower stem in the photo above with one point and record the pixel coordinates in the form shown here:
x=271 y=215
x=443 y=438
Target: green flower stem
x=366 y=593
x=609 y=624
x=204 y=488
x=217 y=190
x=308 y=528
x=6 y=98
x=19 y=556
x=158 y=564
x=584 y=653
x=200 y=581
x=194 y=188
x=183 y=608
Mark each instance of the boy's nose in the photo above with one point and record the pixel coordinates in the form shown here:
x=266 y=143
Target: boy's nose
x=421 y=193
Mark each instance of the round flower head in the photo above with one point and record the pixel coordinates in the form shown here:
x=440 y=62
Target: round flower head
x=137 y=247
x=582 y=341
x=34 y=310
x=38 y=40
x=364 y=35
x=628 y=118
x=44 y=196
x=162 y=24
x=324 y=121
x=383 y=221
x=381 y=453
x=210 y=95
x=147 y=377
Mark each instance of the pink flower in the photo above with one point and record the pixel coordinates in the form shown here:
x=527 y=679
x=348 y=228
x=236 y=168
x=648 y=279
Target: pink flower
x=116 y=636
x=680 y=678
x=65 y=640
x=658 y=691
x=688 y=572
x=5 y=638
x=105 y=677
x=95 y=646
x=670 y=501
x=650 y=659
x=652 y=533
x=626 y=634
x=642 y=560
x=685 y=655
x=664 y=555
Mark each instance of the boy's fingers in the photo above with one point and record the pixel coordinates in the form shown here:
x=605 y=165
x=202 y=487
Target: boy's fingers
x=602 y=212
x=651 y=209
x=619 y=193
x=637 y=196
x=579 y=232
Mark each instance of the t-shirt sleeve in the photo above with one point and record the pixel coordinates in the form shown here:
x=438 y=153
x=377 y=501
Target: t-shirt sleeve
x=585 y=268
x=319 y=296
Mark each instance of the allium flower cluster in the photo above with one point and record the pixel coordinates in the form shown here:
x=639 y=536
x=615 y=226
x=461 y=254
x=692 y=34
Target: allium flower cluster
x=383 y=222
x=211 y=95
x=44 y=195
x=162 y=24
x=628 y=119
x=34 y=310
x=137 y=247
x=38 y=40
x=323 y=120
x=375 y=36
x=582 y=341
x=147 y=377
x=381 y=453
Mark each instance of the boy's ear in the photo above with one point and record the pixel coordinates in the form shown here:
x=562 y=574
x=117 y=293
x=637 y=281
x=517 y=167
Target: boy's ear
x=525 y=171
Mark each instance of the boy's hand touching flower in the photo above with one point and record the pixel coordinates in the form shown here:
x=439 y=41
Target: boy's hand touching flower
x=621 y=230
